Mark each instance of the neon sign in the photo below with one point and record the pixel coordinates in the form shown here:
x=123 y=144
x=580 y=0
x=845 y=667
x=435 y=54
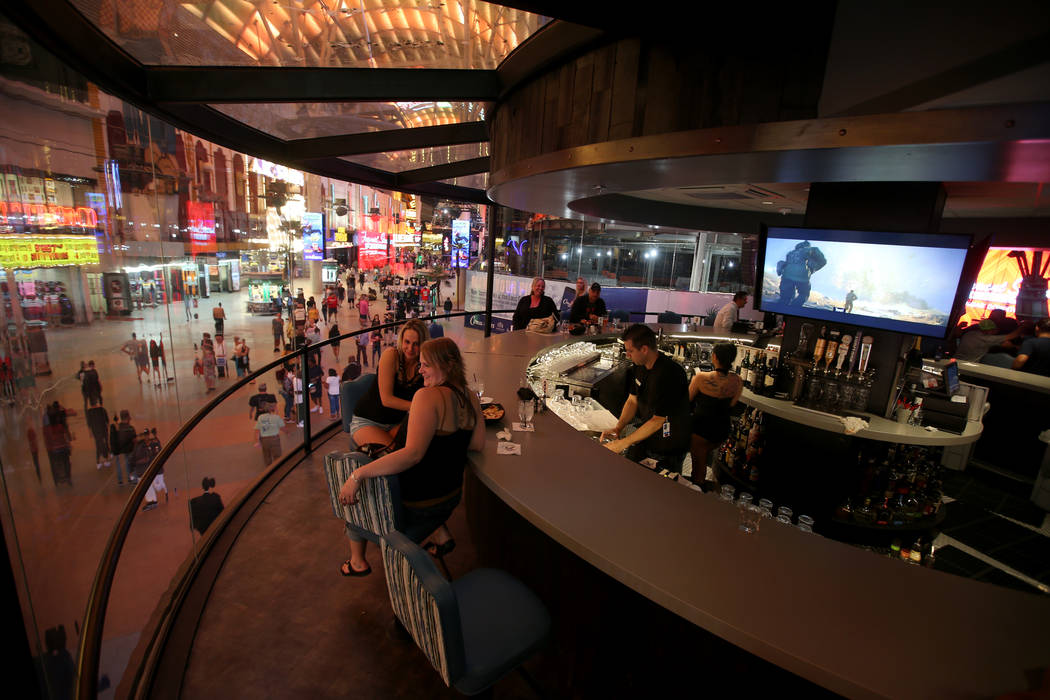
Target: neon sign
x=516 y=246
x=47 y=251
x=200 y=220
x=46 y=215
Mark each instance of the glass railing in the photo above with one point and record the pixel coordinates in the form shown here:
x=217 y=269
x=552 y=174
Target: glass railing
x=215 y=457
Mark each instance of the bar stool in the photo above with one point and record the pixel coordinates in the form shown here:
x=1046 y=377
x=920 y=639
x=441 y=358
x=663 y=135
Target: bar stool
x=474 y=630
x=378 y=509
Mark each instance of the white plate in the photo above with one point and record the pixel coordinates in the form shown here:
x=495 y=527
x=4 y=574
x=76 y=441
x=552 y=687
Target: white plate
x=486 y=400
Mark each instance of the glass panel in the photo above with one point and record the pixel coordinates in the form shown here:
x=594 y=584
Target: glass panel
x=465 y=34
x=313 y=119
x=479 y=181
x=411 y=159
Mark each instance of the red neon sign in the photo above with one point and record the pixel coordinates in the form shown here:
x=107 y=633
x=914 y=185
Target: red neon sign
x=46 y=215
x=200 y=220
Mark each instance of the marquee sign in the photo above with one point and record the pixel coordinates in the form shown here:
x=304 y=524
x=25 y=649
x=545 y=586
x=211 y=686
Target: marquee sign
x=26 y=252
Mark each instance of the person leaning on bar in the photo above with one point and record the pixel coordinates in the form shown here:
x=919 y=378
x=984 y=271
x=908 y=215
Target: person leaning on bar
x=657 y=401
x=535 y=306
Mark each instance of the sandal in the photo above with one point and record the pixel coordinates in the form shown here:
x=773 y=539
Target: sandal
x=440 y=550
x=348 y=570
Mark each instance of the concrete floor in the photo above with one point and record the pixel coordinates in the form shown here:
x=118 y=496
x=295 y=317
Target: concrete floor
x=56 y=534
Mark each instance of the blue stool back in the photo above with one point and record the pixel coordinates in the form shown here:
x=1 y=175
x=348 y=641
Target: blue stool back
x=350 y=393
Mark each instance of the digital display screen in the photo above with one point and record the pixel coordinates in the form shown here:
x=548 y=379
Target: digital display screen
x=904 y=282
x=313 y=245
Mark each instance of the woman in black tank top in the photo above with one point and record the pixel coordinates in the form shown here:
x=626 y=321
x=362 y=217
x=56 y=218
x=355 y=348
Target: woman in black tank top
x=445 y=422
x=386 y=402
x=715 y=393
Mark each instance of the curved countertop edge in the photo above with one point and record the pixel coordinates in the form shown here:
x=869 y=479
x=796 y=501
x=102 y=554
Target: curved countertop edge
x=1013 y=377
x=881 y=429
x=984 y=636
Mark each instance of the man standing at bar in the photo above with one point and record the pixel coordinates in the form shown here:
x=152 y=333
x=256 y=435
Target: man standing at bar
x=730 y=313
x=657 y=401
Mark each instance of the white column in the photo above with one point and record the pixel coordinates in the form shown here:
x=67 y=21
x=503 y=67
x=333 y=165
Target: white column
x=697 y=276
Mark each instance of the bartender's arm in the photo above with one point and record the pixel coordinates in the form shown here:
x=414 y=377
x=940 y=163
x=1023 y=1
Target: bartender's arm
x=645 y=430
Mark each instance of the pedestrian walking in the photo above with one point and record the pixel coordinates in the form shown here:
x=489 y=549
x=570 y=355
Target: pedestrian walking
x=277 y=327
x=122 y=443
x=240 y=356
x=363 y=341
x=268 y=433
x=220 y=356
x=286 y=388
x=186 y=305
x=332 y=380
x=315 y=377
x=154 y=356
x=377 y=341
x=58 y=443
x=141 y=359
x=333 y=332
x=98 y=424
x=91 y=386
x=209 y=365
x=219 y=316
x=362 y=307
x=206 y=507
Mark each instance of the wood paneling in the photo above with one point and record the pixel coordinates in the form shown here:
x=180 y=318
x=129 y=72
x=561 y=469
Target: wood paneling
x=636 y=87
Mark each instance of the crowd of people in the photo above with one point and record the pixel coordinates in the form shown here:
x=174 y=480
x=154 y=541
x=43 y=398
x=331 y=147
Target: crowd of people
x=1003 y=341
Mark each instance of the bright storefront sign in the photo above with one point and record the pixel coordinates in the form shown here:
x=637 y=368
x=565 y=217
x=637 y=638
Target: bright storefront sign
x=200 y=220
x=46 y=215
x=371 y=249
x=407 y=239
x=313 y=236
x=47 y=251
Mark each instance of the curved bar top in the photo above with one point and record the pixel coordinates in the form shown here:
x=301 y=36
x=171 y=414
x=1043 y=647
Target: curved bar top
x=1022 y=380
x=855 y=623
x=878 y=428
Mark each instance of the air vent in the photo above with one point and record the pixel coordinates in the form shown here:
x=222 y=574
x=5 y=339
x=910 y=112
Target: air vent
x=717 y=195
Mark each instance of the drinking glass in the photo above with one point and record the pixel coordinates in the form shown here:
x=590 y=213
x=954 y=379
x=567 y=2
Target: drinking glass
x=521 y=412
x=728 y=493
x=530 y=410
x=784 y=512
x=745 y=499
x=750 y=516
x=805 y=523
x=767 y=508
x=784 y=519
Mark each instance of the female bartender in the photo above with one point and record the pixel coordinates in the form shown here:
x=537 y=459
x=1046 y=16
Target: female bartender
x=444 y=423
x=715 y=393
x=397 y=381
x=535 y=306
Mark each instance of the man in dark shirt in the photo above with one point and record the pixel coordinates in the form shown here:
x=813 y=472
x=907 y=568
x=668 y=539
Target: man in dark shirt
x=658 y=399
x=1034 y=355
x=257 y=400
x=588 y=307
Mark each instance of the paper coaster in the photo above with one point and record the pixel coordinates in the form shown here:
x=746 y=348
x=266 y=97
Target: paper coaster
x=508 y=448
x=520 y=428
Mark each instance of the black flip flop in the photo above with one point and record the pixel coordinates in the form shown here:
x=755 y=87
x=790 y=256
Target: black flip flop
x=353 y=571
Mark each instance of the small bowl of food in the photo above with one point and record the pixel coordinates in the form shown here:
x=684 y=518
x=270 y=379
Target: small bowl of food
x=493 y=413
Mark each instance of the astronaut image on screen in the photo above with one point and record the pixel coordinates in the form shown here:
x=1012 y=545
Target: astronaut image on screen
x=899 y=286
x=795 y=270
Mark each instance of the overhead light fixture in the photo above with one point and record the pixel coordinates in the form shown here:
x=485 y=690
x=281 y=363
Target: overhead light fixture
x=770 y=203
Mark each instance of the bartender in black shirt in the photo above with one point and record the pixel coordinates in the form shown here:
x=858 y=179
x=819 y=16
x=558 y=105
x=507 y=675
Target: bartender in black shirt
x=587 y=308
x=658 y=399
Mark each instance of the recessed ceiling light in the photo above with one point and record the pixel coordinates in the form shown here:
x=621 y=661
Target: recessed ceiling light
x=767 y=202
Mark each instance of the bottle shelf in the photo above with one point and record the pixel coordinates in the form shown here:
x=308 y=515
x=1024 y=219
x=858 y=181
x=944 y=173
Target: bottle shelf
x=925 y=523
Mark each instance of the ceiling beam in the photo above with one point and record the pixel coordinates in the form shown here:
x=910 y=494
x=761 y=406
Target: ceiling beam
x=1012 y=59
x=447 y=171
x=239 y=84
x=388 y=140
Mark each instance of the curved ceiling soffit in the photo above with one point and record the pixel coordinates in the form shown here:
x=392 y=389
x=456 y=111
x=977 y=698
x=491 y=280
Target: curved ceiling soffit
x=998 y=144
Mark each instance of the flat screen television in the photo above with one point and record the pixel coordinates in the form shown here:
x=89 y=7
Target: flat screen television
x=904 y=282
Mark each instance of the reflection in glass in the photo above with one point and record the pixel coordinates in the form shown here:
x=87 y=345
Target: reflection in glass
x=316 y=119
x=369 y=34
x=411 y=159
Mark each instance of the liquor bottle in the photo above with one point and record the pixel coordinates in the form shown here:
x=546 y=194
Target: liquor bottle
x=745 y=370
x=916 y=552
x=865 y=514
x=771 y=375
x=895 y=549
x=882 y=515
x=758 y=375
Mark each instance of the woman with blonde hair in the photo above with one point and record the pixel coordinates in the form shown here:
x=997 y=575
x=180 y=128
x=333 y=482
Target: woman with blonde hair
x=398 y=379
x=429 y=456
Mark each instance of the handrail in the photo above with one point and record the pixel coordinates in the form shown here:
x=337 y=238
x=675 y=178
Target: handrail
x=89 y=649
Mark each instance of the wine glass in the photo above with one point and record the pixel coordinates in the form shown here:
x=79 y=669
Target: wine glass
x=521 y=413
x=530 y=410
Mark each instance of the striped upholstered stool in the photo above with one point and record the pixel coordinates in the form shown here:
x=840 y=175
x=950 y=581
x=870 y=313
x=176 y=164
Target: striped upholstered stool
x=474 y=630
x=378 y=508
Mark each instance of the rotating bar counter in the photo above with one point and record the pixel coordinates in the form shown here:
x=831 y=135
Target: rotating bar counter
x=836 y=615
